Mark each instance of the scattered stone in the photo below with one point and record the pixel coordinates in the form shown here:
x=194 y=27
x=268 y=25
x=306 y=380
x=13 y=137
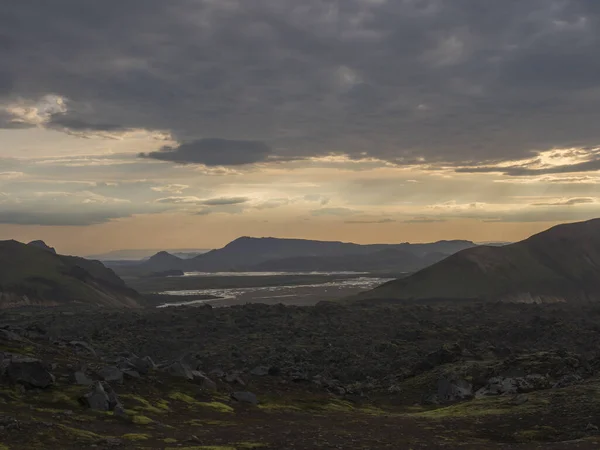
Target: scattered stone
x=567 y=380
x=217 y=373
x=519 y=400
x=140 y=365
x=10 y=336
x=84 y=346
x=97 y=398
x=245 y=397
x=234 y=378
x=131 y=374
x=29 y=372
x=179 y=369
x=82 y=379
x=260 y=371
x=202 y=380
x=111 y=374
x=452 y=388
x=591 y=427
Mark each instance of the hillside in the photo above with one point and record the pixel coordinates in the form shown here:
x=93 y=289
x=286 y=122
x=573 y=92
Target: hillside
x=273 y=254
x=560 y=264
x=32 y=275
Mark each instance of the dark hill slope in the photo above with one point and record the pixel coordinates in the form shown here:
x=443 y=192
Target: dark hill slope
x=560 y=264
x=31 y=275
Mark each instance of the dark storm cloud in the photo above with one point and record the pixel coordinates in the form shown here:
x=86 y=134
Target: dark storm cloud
x=213 y=152
x=453 y=81
x=65 y=121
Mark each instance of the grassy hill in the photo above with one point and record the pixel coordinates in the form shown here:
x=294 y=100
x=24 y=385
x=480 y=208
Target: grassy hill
x=31 y=275
x=560 y=264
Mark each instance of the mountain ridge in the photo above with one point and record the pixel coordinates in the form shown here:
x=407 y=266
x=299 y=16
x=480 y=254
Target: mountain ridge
x=556 y=265
x=259 y=254
x=33 y=275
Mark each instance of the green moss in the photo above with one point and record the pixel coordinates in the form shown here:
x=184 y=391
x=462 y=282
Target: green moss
x=3 y=447
x=80 y=434
x=145 y=406
x=249 y=445
x=180 y=396
x=142 y=420
x=218 y=406
x=203 y=447
x=278 y=407
x=136 y=437
x=542 y=433
x=170 y=441
x=204 y=422
x=49 y=410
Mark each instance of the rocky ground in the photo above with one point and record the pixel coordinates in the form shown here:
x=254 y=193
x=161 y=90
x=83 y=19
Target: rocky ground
x=275 y=377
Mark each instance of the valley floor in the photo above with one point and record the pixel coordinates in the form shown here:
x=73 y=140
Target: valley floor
x=326 y=377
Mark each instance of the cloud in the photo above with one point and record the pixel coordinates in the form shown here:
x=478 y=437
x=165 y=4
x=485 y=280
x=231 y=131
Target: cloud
x=400 y=81
x=223 y=201
x=425 y=220
x=171 y=188
x=334 y=212
x=220 y=201
x=360 y=222
x=567 y=202
x=213 y=152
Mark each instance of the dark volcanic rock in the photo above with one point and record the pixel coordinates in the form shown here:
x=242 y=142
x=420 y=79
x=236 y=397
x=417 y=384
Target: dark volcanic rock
x=29 y=372
x=245 y=397
x=111 y=374
x=97 y=398
x=83 y=345
x=202 y=380
x=179 y=369
x=82 y=379
x=452 y=388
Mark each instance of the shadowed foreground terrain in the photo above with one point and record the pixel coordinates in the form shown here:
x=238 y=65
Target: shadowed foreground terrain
x=466 y=375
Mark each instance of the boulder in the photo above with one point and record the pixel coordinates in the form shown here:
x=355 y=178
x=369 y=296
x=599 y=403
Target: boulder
x=140 y=365
x=179 y=369
x=97 y=398
x=8 y=335
x=567 y=380
x=81 y=345
x=234 y=378
x=102 y=397
x=245 y=397
x=260 y=371
x=111 y=374
x=29 y=372
x=202 y=380
x=82 y=379
x=452 y=388
x=513 y=385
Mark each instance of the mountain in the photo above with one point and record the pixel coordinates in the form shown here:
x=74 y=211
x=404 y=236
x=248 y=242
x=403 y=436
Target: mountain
x=273 y=254
x=136 y=255
x=391 y=260
x=43 y=246
x=560 y=264
x=33 y=275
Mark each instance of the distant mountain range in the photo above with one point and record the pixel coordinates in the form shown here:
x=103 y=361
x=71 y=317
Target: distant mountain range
x=33 y=274
x=295 y=255
x=560 y=264
x=139 y=254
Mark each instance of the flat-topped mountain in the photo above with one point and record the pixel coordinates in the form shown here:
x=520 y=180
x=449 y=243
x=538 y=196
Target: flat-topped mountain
x=560 y=264
x=289 y=255
x=34 y=275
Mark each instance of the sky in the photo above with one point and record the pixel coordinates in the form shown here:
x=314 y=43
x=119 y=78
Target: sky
x=188 y=123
